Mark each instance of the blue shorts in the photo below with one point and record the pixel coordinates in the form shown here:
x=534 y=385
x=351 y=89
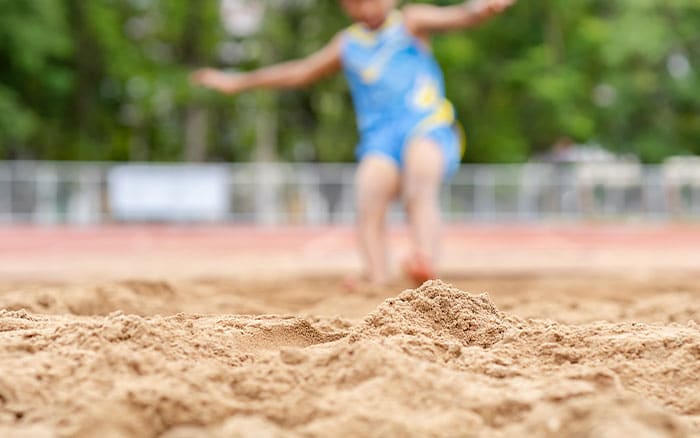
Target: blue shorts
x=393 y=140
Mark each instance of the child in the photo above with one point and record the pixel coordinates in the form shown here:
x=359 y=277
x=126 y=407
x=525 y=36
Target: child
x=408 y=143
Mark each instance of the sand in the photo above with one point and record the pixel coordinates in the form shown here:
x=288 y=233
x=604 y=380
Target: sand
x=525 y=353
x=543 y=331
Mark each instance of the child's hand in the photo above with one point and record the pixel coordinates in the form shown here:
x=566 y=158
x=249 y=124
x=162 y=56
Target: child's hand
x=501 y=5
x=491 y=7
x=217 y=80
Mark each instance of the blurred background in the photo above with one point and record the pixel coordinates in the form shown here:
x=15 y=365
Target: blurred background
x=575 y=110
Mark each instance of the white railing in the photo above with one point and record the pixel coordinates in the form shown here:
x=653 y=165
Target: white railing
x=311 y=194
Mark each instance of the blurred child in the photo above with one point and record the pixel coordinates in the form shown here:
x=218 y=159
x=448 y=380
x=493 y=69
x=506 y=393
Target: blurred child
x=408 y=140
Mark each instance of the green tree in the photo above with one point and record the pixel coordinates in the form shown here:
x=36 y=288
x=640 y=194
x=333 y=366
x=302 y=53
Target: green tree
x=107 y=80
x=35 y=80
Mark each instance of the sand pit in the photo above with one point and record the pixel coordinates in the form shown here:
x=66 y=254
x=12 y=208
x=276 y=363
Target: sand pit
x=435 y=361
x=523 y=350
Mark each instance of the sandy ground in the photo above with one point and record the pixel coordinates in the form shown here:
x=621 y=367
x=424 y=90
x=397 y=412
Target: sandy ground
x=188 y=333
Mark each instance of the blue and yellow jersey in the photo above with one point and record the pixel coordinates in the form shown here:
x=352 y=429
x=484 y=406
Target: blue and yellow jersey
x=395 y=82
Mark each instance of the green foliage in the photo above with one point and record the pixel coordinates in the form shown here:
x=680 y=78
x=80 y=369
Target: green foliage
x=34 y=44
x=107 y=80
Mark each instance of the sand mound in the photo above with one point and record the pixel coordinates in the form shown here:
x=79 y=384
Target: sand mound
x=437 y=311
x=434 y=361
x=134 y=297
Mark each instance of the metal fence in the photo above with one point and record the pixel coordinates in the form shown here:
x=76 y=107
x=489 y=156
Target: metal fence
x=313 y=194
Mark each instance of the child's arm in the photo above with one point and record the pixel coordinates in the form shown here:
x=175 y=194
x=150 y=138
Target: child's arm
x=423 y=19
x=292 y=74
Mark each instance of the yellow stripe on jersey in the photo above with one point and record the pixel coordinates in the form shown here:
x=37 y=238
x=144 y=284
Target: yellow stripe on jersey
x=427 y=95
x=369 y=37
x=444 y=115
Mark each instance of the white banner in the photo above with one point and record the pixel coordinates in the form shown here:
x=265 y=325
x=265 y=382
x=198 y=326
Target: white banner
x=168 y=192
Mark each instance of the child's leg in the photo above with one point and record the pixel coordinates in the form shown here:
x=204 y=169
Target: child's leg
x=377 y=185
x=423 y=174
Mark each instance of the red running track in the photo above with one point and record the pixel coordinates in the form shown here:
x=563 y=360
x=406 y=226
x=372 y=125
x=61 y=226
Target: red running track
x=27 y=240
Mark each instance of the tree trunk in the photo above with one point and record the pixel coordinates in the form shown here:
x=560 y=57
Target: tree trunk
x=266 y=129
x=196 y=118
x=195 y=123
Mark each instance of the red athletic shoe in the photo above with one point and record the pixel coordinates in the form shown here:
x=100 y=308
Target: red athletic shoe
x=419 y=269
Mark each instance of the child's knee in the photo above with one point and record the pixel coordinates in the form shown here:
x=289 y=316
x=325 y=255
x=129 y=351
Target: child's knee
x=420 y=189
x=372 y=202
x=373 y=196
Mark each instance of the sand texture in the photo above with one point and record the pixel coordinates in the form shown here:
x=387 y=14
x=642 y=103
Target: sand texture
x=582 y=355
